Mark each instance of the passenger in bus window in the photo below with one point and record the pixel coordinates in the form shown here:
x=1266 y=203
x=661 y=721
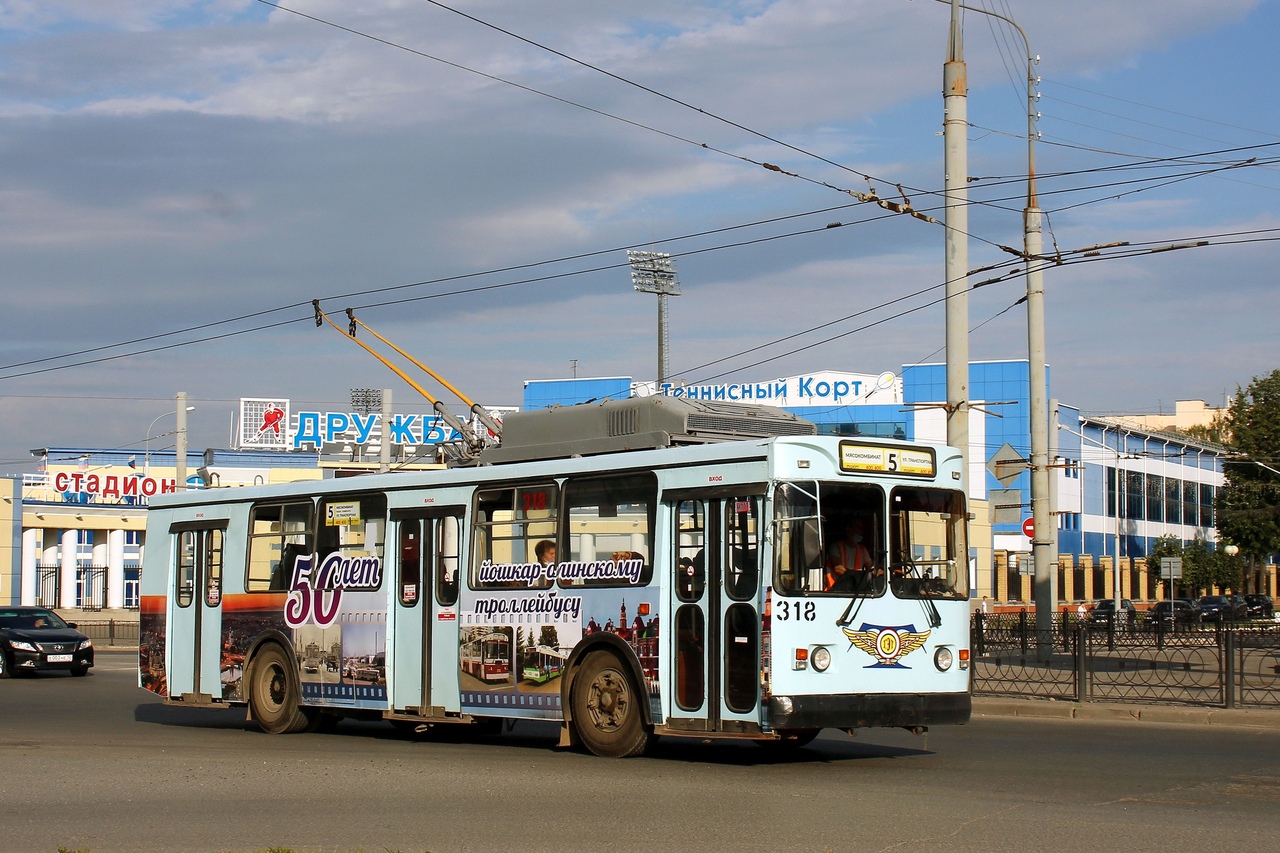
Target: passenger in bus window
x=546 y=552
x=849 y=564
x=282 y=572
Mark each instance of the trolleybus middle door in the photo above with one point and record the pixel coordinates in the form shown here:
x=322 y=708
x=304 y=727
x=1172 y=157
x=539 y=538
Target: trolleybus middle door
x=424 y=678
x=195 y=611
x=715 y=595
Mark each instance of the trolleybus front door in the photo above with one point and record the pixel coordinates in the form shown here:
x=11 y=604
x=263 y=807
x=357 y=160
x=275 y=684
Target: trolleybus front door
x=424 y=677
x=195 y=611
x=715 y=598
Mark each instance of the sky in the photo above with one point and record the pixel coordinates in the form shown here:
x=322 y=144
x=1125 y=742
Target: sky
x=181 y=178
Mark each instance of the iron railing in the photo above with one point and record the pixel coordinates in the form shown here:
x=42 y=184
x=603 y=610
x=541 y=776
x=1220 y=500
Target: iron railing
x=1212 y=664
x=112 y=632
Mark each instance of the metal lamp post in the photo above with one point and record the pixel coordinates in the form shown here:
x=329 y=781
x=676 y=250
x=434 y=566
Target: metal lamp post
x=146 y=459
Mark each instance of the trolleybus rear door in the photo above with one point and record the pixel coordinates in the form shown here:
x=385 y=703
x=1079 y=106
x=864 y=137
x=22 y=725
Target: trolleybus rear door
x=714 y=599
x=424 y=671
x=195 y=610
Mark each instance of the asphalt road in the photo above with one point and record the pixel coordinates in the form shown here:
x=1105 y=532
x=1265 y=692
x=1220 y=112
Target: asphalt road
x=97 y=764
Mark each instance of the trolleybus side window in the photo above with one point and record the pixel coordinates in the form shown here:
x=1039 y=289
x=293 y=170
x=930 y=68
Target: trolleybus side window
x=426 y=539
x=186 y=566
x=741 y=657
x=448 y=536
x=829 y=539
x=611 y=520
x=213 y=567
x=741 y=525
x=199 y=561
x=278 y=535
x=691 y=583
x=691 y=558
x=411 y=550
x=509 y=524
x=355 y=526
x=928 y=544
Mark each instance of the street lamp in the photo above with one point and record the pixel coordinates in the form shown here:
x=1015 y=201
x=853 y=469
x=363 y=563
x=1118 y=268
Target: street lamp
x=1232 y=550
x=146 y=459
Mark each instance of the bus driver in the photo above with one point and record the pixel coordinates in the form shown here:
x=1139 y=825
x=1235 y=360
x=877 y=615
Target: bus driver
x=849 y=563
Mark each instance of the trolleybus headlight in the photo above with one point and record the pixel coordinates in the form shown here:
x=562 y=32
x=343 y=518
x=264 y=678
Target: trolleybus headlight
x=820 y=658
x=942 y=659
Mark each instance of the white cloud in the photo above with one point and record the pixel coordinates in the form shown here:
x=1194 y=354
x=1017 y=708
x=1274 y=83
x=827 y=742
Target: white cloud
x=173 y=163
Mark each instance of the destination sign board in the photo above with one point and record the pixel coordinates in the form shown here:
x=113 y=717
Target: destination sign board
x=886 y=459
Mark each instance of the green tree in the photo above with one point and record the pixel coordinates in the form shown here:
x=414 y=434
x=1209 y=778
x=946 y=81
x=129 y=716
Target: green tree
x=1248 y=504
x=1204 y=567
x=1165 y=546
x=1215 y=432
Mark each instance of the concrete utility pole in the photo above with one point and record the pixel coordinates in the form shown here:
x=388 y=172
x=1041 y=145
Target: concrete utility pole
x=384 y=452
x=180 y=473
x=1044 y=538
x=955 y=126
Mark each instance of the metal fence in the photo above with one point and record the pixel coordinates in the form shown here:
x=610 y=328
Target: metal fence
x=48 y=585
x=1217 y=665
x=111 y=632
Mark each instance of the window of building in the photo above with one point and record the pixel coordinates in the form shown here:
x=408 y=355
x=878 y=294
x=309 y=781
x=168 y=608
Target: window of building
x=1134 y=493
x=1155 y=497
x=1190 y=503
x=1172 y=500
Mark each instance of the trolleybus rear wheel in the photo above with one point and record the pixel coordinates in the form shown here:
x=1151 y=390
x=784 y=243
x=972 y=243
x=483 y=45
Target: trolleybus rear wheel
x=606 y=708
x=273 y=693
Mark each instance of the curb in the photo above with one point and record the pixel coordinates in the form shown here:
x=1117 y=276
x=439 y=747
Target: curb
x=1115 y=712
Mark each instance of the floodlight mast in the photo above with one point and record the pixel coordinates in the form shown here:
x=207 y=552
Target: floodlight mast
x=655 y=272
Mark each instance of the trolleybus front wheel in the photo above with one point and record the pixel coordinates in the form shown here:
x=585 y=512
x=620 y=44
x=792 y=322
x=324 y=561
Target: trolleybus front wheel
x=606 y=708
x=273 y=693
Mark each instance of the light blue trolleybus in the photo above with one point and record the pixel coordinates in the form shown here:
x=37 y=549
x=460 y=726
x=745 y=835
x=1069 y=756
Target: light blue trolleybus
x=637 y=568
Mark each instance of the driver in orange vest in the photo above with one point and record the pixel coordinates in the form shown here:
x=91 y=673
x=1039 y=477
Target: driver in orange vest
x=848 y=560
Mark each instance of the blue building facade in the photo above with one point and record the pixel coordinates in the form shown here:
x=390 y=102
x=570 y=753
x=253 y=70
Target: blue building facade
x=1167 y=482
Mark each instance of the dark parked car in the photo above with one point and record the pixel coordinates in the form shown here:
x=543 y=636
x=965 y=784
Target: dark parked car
x=1104 y=609
x=1260 y=606
x=1185 y=613
x=33 y=639
x=1222 y=608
